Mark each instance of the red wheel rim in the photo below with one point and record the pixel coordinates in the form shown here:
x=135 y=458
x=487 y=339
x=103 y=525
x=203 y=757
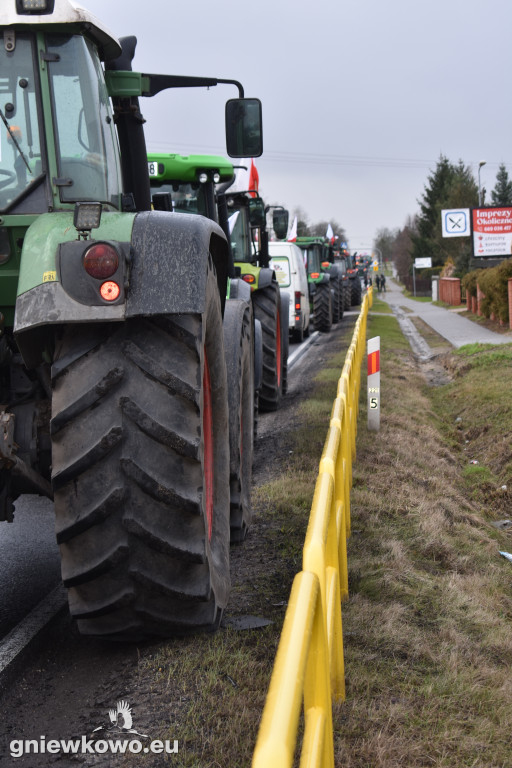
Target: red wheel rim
x=278 y=349
x=208 y=445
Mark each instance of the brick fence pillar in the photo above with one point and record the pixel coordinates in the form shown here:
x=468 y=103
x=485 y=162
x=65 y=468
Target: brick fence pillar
x=479 y=297
x=510 y=302
x=449 y=290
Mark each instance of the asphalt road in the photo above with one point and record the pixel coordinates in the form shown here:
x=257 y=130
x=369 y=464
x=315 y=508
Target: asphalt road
x=29 y=560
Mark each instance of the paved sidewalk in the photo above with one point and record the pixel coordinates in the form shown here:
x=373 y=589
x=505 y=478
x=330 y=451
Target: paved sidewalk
x=447 y=323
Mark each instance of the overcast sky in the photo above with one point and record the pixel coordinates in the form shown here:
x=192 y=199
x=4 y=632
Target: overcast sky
x=360 y=97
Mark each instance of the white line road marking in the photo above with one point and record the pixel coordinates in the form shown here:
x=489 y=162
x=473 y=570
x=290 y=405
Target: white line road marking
x=297 y=353
x=19 y=637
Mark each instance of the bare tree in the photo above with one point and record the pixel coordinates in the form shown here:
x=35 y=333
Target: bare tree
x=384 y=240
x=402 y=248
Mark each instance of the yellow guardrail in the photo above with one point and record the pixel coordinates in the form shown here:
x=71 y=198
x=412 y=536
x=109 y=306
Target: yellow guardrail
x=309 y=665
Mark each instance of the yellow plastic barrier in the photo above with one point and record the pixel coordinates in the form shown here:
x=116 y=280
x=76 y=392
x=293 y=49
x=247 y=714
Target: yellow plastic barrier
x=309 y=665
x=303 y=674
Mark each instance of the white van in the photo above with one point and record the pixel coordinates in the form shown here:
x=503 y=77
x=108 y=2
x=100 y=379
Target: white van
x=287 y=261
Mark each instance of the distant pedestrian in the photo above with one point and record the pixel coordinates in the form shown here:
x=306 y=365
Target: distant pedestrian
x=377 y=280
x=383 y=283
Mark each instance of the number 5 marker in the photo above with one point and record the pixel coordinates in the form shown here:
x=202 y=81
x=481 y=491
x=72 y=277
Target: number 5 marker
x=374 y=384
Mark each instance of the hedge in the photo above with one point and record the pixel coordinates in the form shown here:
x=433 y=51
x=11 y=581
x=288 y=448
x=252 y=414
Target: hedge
x=493 y=283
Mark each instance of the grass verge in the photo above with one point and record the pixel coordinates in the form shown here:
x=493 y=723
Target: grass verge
x=428 y=630
x=380 y=306
x=436 y=342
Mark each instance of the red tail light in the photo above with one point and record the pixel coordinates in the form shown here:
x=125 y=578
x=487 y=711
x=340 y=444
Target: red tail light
x=314 y=275
x=249 y=279
x=101 y=260
x=297 y=300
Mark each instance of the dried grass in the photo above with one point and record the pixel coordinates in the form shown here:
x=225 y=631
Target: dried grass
x=428 y=626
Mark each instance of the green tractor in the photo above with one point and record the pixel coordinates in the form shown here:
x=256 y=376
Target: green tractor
x=247 y=224
x=325 y=282
x=354 y=278
x=201 y=183
x=113 y=364
x=185 y=184
x=337 y=276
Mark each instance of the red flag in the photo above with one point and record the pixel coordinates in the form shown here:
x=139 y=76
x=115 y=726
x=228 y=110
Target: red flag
x=254 y=180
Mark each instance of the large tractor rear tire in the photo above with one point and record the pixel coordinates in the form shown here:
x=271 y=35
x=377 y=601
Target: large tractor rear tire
x=141 y=473
x=356 y=292
x=266 y=303
x=258 y=370
x=285 y=338
x=322 y=307
x=239 y=346
x=337 y=297
x=347 y=295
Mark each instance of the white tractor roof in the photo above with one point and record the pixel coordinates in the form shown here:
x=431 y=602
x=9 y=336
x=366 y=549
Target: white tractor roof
x=64 y=12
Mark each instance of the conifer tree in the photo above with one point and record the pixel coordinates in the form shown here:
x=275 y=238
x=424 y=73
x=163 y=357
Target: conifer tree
x=449 y=186
x=502 y=192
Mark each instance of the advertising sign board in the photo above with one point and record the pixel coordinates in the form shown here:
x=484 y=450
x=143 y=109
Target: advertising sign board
x=492 y=232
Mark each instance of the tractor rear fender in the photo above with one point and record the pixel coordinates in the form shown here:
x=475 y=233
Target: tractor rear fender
x=239 y=289
x=265 y=277
x=170 y=257
x=324 y=277
x=167 y=275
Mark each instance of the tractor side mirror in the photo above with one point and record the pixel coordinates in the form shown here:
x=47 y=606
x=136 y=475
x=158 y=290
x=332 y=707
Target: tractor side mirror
x=280 y=223
x=257 y=216
x=244 y=128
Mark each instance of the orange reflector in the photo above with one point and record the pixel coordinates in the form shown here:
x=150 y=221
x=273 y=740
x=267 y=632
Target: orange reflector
x=297 y=307
x=110 y=291
x=249 y=278
x=314 y=275
x=325 y=264
x=374 y=362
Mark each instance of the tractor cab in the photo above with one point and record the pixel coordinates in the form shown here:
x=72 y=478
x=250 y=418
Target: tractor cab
x=313 y=249
x=186 y=183
x=247 y=221
x=54 y=151
x=58 y=142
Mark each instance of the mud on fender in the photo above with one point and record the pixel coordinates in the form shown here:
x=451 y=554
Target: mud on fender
x=170 y=256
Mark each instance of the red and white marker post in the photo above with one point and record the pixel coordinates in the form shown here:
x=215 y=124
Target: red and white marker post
x=374 y=384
